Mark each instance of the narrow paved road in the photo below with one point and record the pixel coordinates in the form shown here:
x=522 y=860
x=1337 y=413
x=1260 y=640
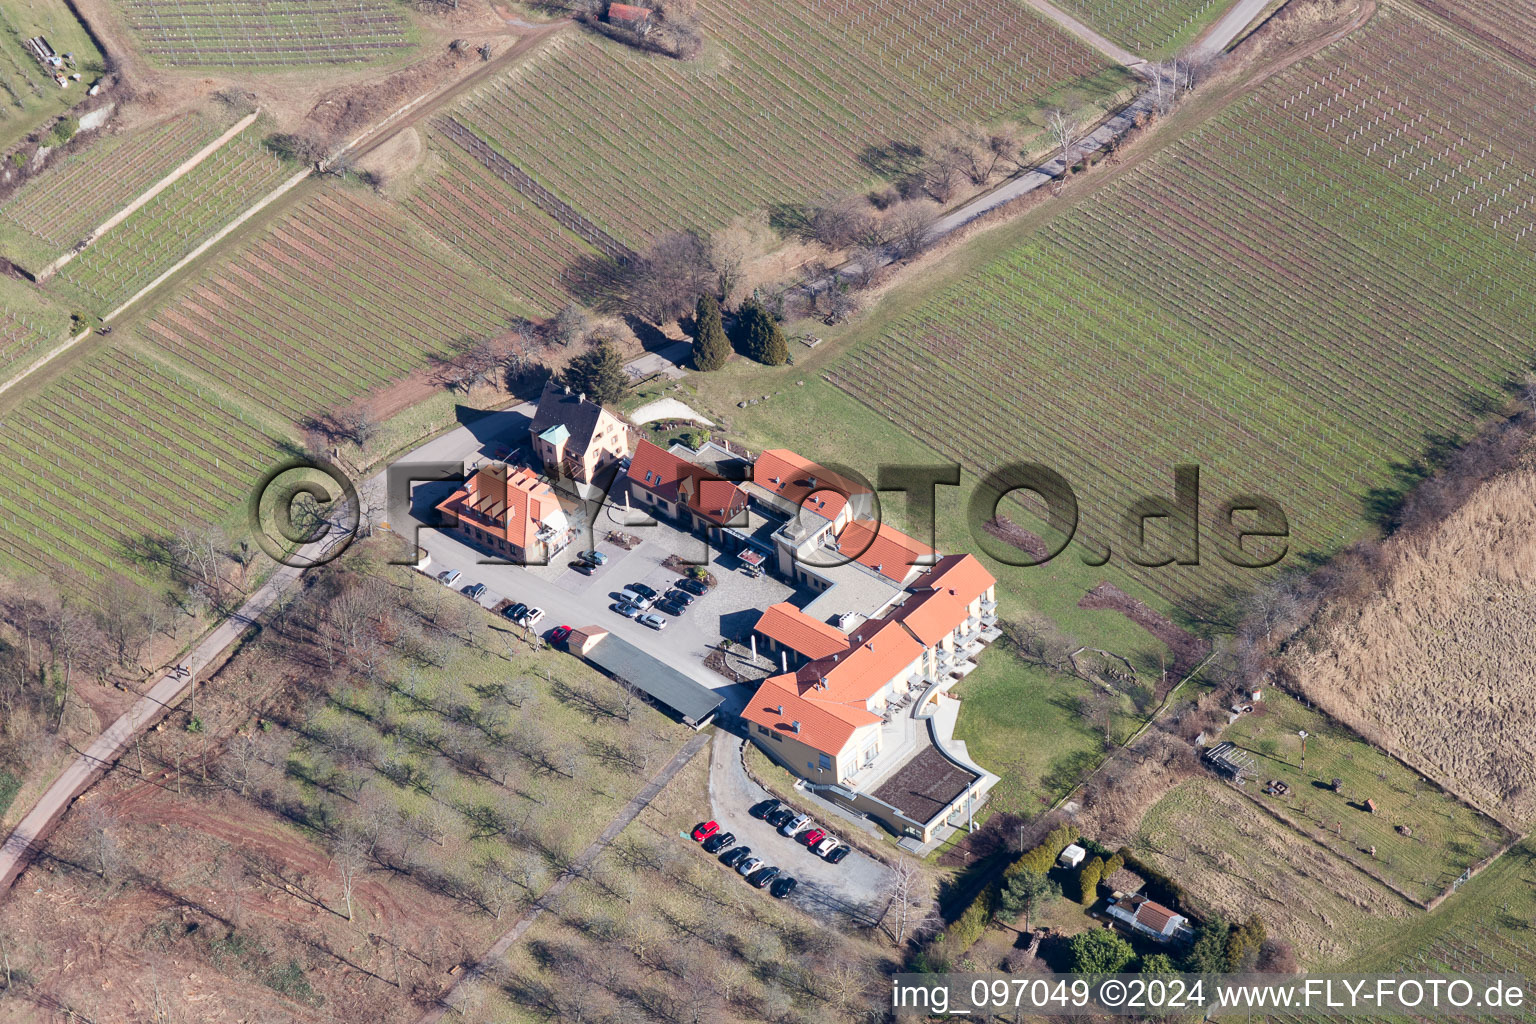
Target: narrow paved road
x=578 y=867
x=1228 y=28
x=26 y=839
x=850 y=890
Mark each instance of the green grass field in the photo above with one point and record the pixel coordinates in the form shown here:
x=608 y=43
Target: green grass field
x=29 y=96
x=1444 y=836
x=52 y=212
x=1234 y=860
x=1020 y=721
x=777 y=111
x=269 y=35
x=1303 y=297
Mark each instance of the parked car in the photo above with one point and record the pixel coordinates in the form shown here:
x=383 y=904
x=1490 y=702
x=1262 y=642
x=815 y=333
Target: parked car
x=680 y=596
x=595 y=557
x=643 y=590
x=670 y=607
x=448 y=577
x=629 y=595
x=731 y=858
x=764 y=877
x=516 y=612
x=827 y=845
x=782 y=887
x=719 y=841
x=585 y=568
x=837 y=855
x=705 y=830
x=764 y=808
x=626 y=609
x=781 y=815
x=560 y=634
x=534 y=617
x=474 y=591
x=794 y=825
x=748 y=866
x=813 y=837
x=692 y=586
x=651 y=619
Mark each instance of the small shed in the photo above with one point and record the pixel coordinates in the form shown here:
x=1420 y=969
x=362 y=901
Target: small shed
x=1338 y=785
x=1370 y=805
x=631 y=16
x=1072 y=856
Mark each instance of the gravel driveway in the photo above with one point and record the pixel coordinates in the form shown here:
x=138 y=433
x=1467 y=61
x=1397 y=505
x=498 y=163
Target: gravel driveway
x=851 y=889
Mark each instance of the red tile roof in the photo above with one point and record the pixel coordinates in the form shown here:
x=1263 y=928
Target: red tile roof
x=508 y=504
x=963 y=574
x=627 y=12
x=823 y=726
x=1155 y=916
x=883 y=548
x=877 y=652
x=676 y=479
x=931 y=615
x=787 y=625
x=783 y=473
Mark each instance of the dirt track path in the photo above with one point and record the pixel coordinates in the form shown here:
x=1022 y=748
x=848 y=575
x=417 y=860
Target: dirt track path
x=27 y=838
x=1113 y=51
x=579 y=866
x=388 y=127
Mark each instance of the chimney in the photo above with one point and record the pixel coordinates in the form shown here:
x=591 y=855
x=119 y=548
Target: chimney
x=781 y=710
x=813 y=483
x=567 y=389
x=581 y=397
x=794 y=726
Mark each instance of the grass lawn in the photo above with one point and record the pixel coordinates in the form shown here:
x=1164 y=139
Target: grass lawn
x=1021 y=721
x=1446 y=836
x=1488 y=925
x=1234 y=860
x=1018 y=720
x=10 y=785
x=28 y=95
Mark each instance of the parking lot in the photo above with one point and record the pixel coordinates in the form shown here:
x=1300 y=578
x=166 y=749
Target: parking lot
x=569 y=598
x=852 y=889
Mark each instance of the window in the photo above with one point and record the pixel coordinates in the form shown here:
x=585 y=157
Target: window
x=763 y=729
x=826 y=762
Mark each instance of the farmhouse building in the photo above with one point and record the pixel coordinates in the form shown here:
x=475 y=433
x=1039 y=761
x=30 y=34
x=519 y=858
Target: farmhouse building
x=1151 y=920
x=576 y=439
x=510 y=512
x=840 y=717
x=682 y=490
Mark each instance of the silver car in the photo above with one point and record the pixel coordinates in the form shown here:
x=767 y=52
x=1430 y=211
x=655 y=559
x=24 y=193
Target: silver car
x=656 y=622
x=793 y=826
x=748 y=866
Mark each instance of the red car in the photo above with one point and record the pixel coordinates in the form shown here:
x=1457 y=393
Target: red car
x=704 y=831
x=813 y=837
x=559 y=634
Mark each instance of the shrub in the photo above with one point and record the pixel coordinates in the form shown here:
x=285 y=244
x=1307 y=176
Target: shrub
x=1100 y=951
x=64 y=129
